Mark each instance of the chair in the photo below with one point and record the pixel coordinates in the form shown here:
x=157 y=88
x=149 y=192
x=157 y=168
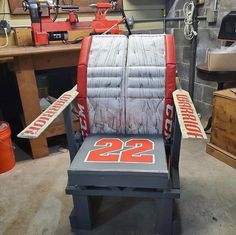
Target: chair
x=126 y=113
x=131 y=119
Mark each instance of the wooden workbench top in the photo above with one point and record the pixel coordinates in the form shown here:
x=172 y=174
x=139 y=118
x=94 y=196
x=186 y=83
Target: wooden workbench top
x=14 y=51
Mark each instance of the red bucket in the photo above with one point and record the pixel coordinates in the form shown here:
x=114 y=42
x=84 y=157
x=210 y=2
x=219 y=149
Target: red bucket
x=7 y=156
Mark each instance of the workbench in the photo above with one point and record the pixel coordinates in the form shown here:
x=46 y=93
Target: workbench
x=26 y=61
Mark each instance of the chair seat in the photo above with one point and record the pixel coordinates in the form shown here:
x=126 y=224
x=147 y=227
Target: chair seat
x=105 y=160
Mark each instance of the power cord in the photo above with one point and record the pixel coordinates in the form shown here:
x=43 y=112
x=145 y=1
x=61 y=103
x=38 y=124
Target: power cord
x=188 y=11
x=7 y=40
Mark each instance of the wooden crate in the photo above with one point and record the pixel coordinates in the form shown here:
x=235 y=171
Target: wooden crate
x=223 y=132
x=23 y=36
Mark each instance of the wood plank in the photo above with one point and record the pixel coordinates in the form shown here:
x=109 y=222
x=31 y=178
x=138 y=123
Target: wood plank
x=30 y=100
x=190 y=125
x=14 y=4
x=221 y=155
x=32 y=50
x=38 y=126
x=6 y=60
x=58 y=128
x=55 y=60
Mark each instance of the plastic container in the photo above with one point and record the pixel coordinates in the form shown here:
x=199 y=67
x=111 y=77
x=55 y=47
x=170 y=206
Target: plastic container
x=7 y=156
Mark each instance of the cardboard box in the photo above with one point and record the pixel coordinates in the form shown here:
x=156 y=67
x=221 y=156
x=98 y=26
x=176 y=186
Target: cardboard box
x=221 y=61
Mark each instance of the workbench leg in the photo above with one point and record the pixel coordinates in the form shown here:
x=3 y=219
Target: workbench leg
x=30 y=100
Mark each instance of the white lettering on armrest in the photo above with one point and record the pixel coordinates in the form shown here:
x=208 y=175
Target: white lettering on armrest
x=48 y=116
x=189 y=122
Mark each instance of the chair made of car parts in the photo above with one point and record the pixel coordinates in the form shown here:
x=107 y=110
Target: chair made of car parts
x=126 y=114
x=131 y=133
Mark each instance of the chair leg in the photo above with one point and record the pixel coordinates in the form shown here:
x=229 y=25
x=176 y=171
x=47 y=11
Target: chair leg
x=80 y=217
x=165 y=222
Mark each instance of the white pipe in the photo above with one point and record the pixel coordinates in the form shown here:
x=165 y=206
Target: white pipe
x=215 y=5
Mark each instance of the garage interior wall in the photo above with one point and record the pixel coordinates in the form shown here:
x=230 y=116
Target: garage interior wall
x=149 y=9
x=207 y=38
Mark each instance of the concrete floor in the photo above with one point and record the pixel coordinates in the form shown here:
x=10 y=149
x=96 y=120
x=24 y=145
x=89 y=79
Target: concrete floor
x=33 y=200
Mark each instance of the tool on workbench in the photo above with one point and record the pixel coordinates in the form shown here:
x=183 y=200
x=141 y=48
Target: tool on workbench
x=101 y=25
x=46 y=29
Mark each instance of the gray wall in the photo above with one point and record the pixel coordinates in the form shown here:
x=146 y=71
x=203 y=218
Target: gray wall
x=207 y=38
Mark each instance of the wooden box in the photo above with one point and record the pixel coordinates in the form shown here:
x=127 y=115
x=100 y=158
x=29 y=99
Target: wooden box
x=23 y=37
x=223 y=132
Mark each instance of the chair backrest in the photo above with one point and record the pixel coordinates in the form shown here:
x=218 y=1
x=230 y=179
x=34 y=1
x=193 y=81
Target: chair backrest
x=125 y=85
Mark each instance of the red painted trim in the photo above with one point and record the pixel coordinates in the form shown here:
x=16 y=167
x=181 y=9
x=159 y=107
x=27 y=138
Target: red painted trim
x=170 y=65
x=84 y=51
x=134 y=151
x=170 y=85
x=82 y=86
x=82 y=80
x=82 y=67
x=170 y=49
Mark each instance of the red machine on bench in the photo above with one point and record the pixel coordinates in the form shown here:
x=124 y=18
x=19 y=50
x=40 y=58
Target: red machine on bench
x=127 y=101
x=46 y=29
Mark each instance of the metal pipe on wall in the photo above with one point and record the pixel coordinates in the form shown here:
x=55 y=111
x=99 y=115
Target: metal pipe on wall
x=193 y=55
x=215 y=5
x=167 y=19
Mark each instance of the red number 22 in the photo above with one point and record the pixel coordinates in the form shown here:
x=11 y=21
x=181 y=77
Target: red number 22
x=112 y=151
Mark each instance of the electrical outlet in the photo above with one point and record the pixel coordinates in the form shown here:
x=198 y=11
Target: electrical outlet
x=200 y=2
x=130 y=21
